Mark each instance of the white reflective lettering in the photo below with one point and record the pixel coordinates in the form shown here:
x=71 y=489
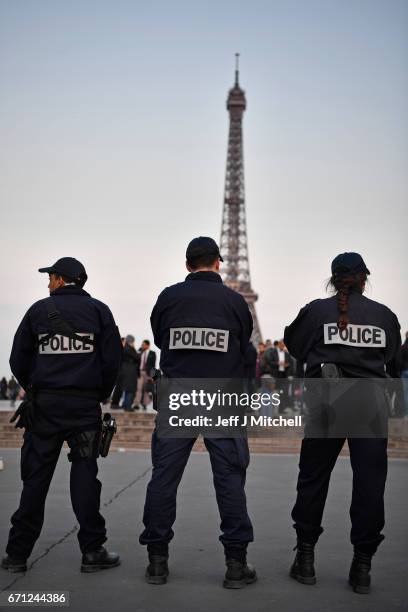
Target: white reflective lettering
x=62 y=345
x=367 y=336
x=199 y=338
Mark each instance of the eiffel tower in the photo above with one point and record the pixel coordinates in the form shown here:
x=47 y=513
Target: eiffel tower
x=234 y=242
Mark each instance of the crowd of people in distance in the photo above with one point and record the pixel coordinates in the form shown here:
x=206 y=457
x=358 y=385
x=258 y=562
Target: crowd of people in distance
x=133 y=389
x=276 y=370
x=403 y=368
x=275 y=360
x=10 y=390
x=270 y=369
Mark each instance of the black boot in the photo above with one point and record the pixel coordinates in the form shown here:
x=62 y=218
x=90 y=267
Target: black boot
x=14 y=565
x=302 y=569
x=359 y=576
x=157 y=570
x=99 y=559
x=238 y=574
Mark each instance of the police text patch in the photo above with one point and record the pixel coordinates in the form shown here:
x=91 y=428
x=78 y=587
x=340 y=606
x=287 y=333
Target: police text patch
x=355 y=335
x=62 y=345
x=204 y=338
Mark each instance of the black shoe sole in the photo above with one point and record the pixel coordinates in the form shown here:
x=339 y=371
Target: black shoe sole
x=303 y=579
x=90 y=569
x=239 y=584
x=14 y=569
x=360 y=589
x=156 y=579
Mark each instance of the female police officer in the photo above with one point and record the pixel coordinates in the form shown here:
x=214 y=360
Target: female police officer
x=362 y=338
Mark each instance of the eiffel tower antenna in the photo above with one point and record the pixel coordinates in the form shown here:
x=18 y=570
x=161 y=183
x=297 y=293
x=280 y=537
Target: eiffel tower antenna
x=234 y=242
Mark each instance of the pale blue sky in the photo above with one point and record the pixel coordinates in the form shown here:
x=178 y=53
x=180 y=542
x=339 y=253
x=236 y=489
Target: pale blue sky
x=114 y=132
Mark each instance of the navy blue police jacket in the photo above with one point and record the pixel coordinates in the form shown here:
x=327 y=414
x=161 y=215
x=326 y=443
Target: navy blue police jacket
x=62 y=362
x=202 y=328
x=367 y=347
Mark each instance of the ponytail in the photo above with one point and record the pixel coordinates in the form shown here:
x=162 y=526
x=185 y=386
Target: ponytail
x=342 y=286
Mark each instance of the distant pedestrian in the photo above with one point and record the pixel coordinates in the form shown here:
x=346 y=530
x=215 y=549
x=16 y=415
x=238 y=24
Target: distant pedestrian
x=404 y=372
x=128 y=375
x=265 y=380
x=13 y=388
x=3 y=388
x=250 y=359
x=260 y=365
x=144 y=385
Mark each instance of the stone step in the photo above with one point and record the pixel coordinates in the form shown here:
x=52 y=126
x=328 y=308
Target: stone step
x=135 y=429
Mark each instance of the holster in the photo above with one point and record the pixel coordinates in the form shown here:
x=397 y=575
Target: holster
x=84 y=445
x=155 y=374
x=108 y=431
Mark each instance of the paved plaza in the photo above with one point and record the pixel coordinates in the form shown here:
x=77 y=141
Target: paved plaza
x=196 y=562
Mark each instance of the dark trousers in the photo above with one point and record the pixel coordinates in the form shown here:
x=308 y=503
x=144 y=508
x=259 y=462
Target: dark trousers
x=39 y=456
x=369 y=464
x=128 y=400
x=229 y=460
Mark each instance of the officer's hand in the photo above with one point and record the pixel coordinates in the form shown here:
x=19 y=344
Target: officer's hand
x=24 y=415
x=16 y=415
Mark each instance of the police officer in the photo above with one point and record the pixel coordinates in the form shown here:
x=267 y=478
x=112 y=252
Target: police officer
x=200 y=302
x=362 y=338
x=65 y=379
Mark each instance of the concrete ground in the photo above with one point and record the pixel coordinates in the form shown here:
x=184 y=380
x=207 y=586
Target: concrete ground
x=197 y=564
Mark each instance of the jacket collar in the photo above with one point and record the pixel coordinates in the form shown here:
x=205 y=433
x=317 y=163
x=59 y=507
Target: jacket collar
x=69 y=290
x=205 y=275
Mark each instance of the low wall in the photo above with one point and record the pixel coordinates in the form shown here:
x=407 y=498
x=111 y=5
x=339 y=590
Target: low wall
x=135 y=429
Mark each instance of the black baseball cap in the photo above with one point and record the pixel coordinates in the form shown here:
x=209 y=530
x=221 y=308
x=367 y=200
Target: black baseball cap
x=201 y=247
x=347 y=263
x=69 y=267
